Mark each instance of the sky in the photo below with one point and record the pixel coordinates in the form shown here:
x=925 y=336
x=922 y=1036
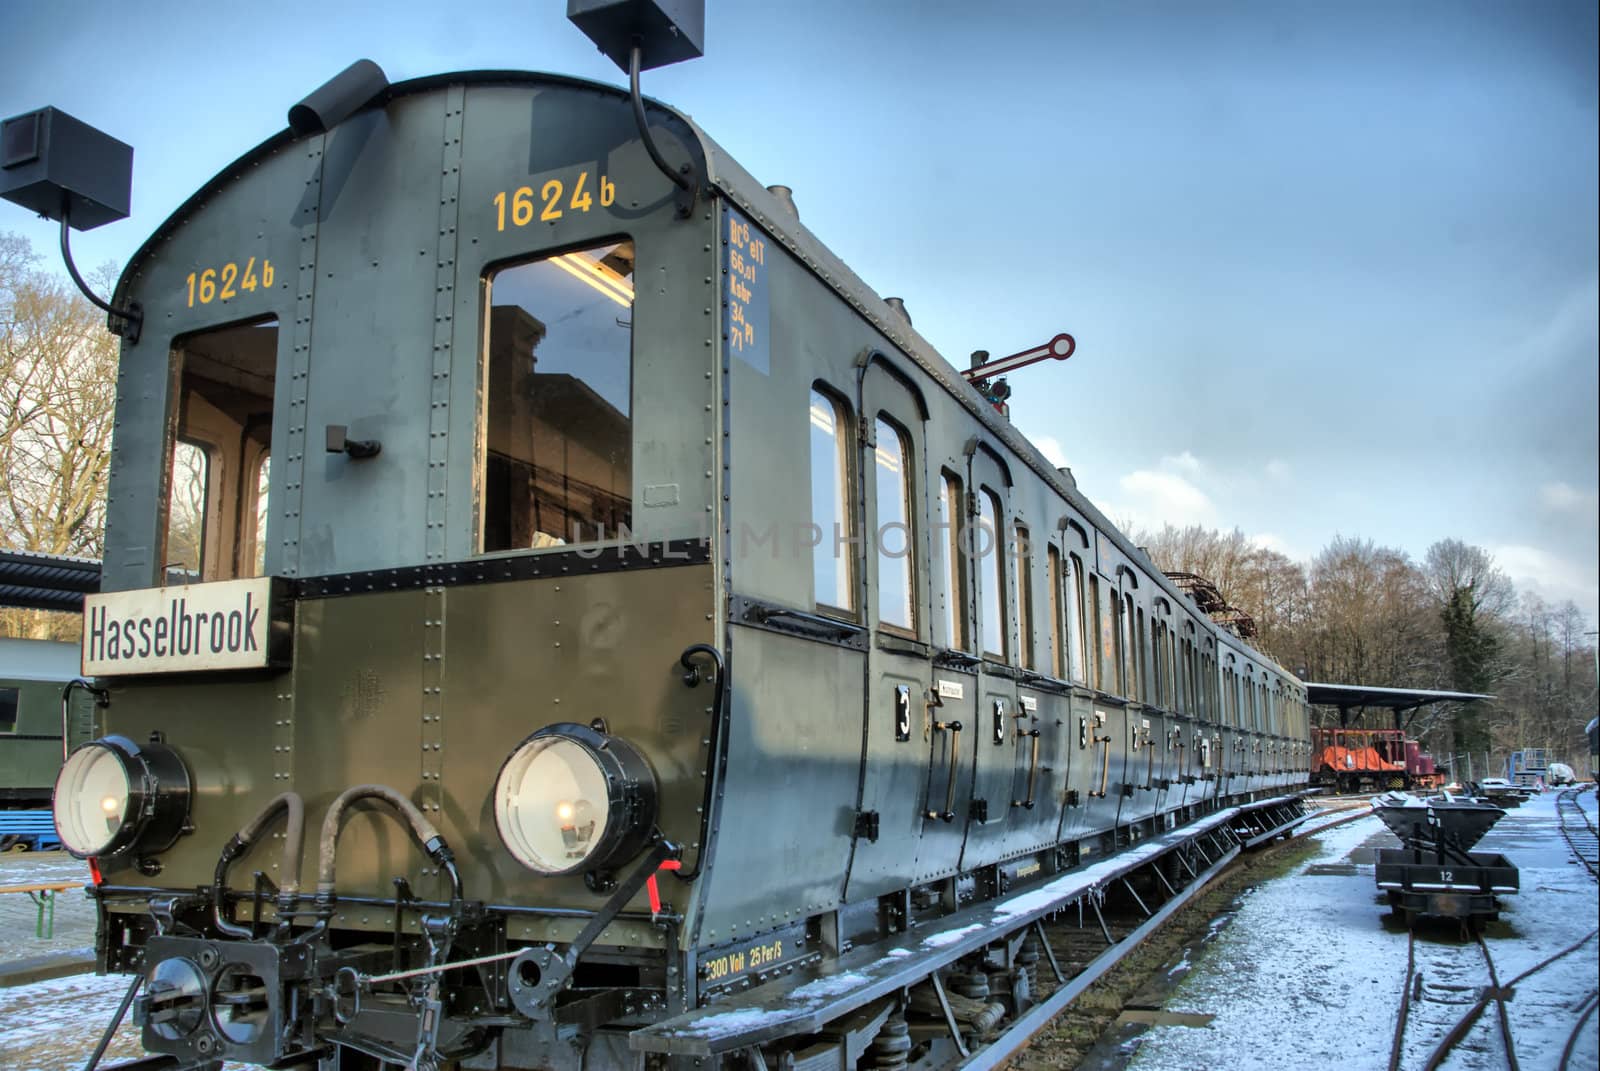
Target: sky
x=1331 y=267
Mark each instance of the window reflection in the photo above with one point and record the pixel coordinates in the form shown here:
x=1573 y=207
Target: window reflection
x=558 y=465
x=990 y=552
x=830 y=509
x=893 y=538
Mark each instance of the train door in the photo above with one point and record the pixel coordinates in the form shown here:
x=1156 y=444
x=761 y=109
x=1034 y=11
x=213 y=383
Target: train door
x=999 y=715
x=1107 y=722
x=889 y=818
x=945 y=729
x=1042 y=739
x=1135 y=791
x=1078 y=774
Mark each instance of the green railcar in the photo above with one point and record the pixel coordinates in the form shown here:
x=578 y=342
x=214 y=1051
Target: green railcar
x=616 y=580
x=33 y=718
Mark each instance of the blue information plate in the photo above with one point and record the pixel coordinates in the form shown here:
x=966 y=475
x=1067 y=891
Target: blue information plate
x=747 y=314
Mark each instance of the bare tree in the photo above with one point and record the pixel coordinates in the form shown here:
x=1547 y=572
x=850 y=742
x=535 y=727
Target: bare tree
x=57 y=390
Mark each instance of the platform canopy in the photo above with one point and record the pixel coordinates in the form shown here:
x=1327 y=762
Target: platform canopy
x=1348 y=697
x=32 y=581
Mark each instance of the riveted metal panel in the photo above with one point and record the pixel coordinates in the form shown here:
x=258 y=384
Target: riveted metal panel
x=223 y=725
x=289 y=436
x=378 y=255
x=444 y=324
x=794 y=755
x=263 y=218
x=534 y=136
x=527 y=654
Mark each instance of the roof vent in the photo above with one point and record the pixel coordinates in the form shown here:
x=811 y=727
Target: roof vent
x=338 y=98
x=785 y=198
x=898 y=305
x=1066 y=474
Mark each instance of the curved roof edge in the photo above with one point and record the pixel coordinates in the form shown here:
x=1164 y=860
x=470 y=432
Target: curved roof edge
x=395 y=90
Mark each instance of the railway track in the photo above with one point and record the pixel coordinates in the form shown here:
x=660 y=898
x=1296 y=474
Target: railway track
x=1579 y=829
x=1448 y=990
x=1073 y=949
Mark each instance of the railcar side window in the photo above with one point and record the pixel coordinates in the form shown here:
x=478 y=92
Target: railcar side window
x=557 y=467
x=1160 y=685
x=222 y=429
x=831 y=560
x=896 y=547
x=1024 y=560
x=1077 y=666
x=1054 y=579
x=1141 y=679
x=955 y=604
x=989 y=548
x=8 y=709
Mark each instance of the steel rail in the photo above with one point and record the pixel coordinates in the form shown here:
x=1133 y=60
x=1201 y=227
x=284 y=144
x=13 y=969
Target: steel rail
x=1566 y=803
x=1405 y=1002
x=1585 y=1010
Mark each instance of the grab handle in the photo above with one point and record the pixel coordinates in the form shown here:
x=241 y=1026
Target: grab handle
x=1033 y=771
x=949 y=813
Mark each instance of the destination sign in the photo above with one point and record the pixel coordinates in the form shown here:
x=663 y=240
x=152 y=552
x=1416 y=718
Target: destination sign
x=228 y=624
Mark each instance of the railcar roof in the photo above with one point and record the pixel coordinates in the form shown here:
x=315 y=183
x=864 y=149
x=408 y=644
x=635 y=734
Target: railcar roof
x=37 y=660
x=727 y=175
x=1365 y=695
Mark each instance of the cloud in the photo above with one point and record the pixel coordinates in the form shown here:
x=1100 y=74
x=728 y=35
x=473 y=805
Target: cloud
x=1551 y=577
x=1276 y=543
x=1153 y=497
x=1562 y=497
x=1050 y=447
x=1185 y=463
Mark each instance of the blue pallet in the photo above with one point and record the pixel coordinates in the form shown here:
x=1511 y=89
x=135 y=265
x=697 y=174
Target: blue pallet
x=36 y=828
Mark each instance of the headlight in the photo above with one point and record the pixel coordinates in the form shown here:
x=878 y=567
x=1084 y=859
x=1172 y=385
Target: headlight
x=114 y=796
x=570 y=799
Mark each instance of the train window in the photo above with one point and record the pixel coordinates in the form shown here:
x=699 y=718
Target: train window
x=1054 y=579
x=990 y=552
x=188 y=491
x=896 y=547
x=1116 y=673
x=222 y=428
x=1159 y=682
x=1023 y=550
x=557 y=466
x=1103 y=629
x=1129 y=649
x=259 y=535
x=955 y=604
x=8 y=709
x=1076 y=644
x=1141 y=682
x=831 y=572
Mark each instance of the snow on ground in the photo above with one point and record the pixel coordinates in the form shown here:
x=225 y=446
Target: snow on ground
x=1307 y=973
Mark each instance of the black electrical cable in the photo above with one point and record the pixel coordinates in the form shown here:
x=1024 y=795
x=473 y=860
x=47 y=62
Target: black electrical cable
x=679 y=179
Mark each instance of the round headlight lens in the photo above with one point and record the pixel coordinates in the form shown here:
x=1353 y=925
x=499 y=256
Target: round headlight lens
x=91 y=801
x=113 y=796
x=571 y=799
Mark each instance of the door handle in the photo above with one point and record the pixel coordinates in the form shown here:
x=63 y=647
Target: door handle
x=1033 y=771
x=954 y=729
x=1105 y=764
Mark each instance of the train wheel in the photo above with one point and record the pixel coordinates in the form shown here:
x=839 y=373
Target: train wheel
x=13 y=842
